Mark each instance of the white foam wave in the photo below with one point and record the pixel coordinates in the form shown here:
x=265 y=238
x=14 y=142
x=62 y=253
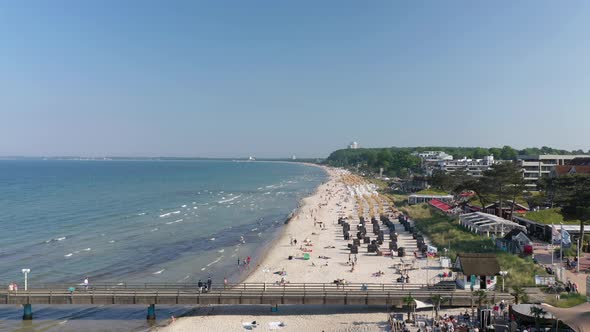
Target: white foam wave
x=223 y=200
x=68 y=255
x=215 y=261
x=212 y=239
x=159 y=272
x=221 y=250
x=165 y=215
x=87 y=249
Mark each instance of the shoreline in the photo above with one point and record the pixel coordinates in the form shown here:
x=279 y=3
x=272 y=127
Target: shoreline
x=322 y=256
x=282 y=233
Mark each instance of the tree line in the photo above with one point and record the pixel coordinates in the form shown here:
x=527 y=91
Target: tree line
x=397 y=161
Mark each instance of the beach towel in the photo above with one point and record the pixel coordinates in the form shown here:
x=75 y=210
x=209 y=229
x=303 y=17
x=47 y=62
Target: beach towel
x=275 y=325
x=248 y=326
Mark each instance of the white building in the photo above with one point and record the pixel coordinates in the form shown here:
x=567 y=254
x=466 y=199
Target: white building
x=433 y=155
x=473 y=167
x=538 y=166
x=353 y=145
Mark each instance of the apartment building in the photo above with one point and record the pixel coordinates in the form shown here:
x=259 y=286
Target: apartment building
x=538 y=166
x=473 y=167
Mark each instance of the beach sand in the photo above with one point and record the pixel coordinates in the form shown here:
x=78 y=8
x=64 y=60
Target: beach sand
x=343 y=195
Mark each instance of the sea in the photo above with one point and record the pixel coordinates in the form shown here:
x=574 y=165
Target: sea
x=136 y=221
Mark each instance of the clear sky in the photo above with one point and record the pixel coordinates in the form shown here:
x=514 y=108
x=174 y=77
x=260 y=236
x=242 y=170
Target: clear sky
x=276 y=78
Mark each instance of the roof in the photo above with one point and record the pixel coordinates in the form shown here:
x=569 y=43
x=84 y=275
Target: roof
x=571 y=169
x=432 y=196
x=478 y=264
x=480 y=222
x=580 y=161
x=512 y=234
x=440 y=205
x=507 y=205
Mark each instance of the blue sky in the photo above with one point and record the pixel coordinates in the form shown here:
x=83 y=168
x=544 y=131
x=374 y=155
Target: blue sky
x=276 y=78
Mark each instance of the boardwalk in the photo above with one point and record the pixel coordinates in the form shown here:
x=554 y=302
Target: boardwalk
x=187 y=294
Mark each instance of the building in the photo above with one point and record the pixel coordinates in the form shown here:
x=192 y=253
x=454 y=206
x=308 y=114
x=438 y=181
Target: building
x=488 y=224
x=472 y=167
x=433 y=155
x=417 y=198
x=538 y=166
x=574 y=166
x=476 y=271
x=515 y=242
x=353 y=145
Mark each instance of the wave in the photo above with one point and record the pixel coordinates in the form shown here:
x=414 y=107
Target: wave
x=174 y=222
x=87 y=249
x=215 y=261
x=159 y=272
x=183 y=206
x=68 y=255
x=154 y=229
x=229 y=199
x=142 y=214
x=165 y=215
x=57 y=239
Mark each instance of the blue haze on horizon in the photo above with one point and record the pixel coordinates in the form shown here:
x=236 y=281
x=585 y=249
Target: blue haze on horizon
x=276 y=78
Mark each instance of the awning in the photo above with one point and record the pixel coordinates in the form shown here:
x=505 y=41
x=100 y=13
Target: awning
x=422 y=305
x=578 y=317
x=440 y=205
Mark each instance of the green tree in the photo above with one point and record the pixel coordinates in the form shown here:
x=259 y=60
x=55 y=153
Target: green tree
x=410 y=302
x=481 y=297
x=437 y=301
x=537 y=313
x=503 y=180
x=520 y=296
x=572 y=194
x=508 y=153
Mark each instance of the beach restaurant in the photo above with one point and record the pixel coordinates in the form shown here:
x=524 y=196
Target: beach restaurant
x=485 y=223
x=476 y=271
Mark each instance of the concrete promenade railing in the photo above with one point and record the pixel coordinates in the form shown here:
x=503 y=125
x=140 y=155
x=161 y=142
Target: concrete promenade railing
x=270 y=294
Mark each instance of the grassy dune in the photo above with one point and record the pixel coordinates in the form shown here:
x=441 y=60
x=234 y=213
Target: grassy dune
x=442 y=230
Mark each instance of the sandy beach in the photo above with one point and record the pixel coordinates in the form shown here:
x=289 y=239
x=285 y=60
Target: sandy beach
x=314 y=230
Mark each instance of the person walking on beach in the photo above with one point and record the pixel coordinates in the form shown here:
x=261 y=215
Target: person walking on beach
x=248 y=260
x=209 y=283
x=238 y=261
x=86 y=283
x=224 y=282
x=200 y=286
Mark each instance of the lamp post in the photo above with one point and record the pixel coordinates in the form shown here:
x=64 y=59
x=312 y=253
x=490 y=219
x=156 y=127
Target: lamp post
x=503 y=274
x=26 y=273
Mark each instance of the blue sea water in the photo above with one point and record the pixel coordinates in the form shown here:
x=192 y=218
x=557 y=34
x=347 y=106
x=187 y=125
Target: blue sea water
x=136 y=221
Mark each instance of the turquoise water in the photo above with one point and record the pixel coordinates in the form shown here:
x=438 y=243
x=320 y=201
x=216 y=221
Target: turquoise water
x=140 y=221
